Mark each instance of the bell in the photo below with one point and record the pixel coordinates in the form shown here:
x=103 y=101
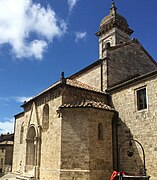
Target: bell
x=130 y=153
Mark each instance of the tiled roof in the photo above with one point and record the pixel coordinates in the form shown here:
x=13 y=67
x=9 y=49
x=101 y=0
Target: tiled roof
x=6 y=137
x=87 y=103
x=79 y=84
x=73 y=83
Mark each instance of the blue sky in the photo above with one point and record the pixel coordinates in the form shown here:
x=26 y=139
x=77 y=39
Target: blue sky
x=41 y=38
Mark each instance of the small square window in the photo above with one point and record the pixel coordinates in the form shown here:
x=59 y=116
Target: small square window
x=141 y=99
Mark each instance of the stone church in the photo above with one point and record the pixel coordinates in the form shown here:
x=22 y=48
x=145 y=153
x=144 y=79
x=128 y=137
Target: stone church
x=100 y=119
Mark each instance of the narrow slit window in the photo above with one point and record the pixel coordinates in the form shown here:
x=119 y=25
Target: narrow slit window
x=21 y=134
x=45 y=121
x=100 y=132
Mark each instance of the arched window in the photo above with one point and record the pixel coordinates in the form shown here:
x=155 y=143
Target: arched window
x=21 y=133
x=100 y=132
x=107 y=45
x=45 y=120
x=31 y=148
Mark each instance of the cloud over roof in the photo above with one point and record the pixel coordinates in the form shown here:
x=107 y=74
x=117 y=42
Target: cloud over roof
x=7 y=126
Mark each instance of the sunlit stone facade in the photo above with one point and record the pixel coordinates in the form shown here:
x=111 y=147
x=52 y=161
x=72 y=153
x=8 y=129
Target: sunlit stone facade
x=100 y=119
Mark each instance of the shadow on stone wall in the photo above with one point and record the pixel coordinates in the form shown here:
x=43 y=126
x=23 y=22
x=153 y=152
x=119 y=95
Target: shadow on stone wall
x=130 y=153
x=1 y=174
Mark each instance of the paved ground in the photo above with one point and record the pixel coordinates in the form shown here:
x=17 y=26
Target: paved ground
x=8 y=177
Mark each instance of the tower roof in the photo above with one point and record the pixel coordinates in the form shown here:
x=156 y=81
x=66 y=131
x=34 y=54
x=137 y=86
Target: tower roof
x=114 y=20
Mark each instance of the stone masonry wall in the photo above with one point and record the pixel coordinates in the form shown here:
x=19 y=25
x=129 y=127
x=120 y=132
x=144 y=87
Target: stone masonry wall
x=49 y=150
x=73 y=95
x=114 y=37
x=8 y=158
x=127 y=61
x=19 y=149
x=58 y=156
x=141 y=124
x=83 y=156
x=51 y=143
x=91 y=77
x=2 y=158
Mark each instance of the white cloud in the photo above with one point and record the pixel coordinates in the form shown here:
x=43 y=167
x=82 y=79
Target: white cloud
x=28 y=27
x=80 y=36
x=19 y=99
x=71 y=4
x=7 y=126
x=35 y=48
x=22 y=99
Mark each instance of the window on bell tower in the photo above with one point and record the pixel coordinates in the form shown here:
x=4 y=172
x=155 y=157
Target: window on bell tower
x=107 y=45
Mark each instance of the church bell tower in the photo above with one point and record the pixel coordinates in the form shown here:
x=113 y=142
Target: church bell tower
x=113 y=30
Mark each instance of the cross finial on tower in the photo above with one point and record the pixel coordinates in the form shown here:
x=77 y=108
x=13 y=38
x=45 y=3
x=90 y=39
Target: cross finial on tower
x=113 y=7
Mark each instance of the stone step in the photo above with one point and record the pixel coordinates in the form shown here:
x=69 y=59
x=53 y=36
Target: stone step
x=26 y=176
x=134 y=177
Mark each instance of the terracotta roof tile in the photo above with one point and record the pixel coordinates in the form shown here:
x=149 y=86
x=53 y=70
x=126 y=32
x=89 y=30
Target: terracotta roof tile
x=6 y=137
x=87 y=103
x=70 y=82
x=79 y=84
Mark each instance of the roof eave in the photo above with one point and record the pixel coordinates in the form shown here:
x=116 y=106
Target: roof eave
x=21 y=113
x=112 y=110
